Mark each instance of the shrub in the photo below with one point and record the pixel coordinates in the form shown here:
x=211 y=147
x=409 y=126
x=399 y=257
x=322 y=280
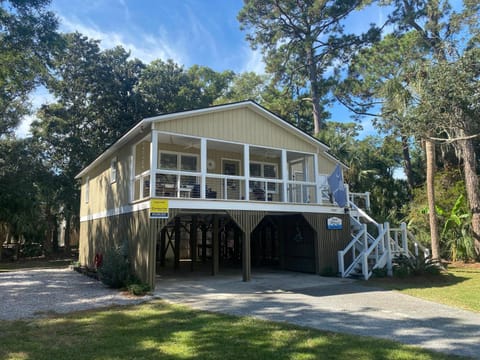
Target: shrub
x=138 y=289
x=410 y=266
x=115 y=268
x=328 y=271
x=380 y=272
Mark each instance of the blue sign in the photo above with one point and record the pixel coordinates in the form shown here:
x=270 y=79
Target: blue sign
x=334 y=223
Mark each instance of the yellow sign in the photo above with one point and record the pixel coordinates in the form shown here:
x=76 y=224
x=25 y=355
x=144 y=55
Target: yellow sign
x=158 y=209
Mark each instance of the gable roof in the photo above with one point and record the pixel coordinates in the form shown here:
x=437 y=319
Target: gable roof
x=146 y=124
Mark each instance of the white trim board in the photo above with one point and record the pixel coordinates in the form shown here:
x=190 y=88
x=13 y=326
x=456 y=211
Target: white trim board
x=206 y=205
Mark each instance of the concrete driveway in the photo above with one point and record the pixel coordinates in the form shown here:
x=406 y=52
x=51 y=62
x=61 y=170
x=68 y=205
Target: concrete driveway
x=332 y=304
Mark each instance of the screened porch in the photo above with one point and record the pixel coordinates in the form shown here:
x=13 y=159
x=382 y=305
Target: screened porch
x=175 y=166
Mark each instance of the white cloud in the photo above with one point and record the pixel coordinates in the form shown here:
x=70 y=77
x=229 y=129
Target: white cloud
x=37 y=98
x=252 y=61
x=146 y=47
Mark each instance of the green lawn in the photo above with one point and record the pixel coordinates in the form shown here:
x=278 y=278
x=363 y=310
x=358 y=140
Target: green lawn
x=161 y=331
x=459 y=287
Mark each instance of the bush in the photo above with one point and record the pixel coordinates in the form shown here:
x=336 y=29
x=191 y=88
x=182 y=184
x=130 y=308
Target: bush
x=115 y=268
x=410 y=266
x=138 y=289
x=328 y=271
x=380 y=272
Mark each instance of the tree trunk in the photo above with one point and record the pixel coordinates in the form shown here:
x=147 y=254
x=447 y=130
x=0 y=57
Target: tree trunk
x=407 y=163
x=312 y=75
x=472 y=187
x=67 y=234
x=432 y=215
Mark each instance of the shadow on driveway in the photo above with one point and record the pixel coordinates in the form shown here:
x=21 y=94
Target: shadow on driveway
x=332 y=304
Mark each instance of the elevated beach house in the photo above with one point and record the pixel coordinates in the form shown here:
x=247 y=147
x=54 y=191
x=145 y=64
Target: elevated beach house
x=226 y=187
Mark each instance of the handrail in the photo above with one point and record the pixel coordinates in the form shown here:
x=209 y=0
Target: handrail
x=426 y=252
x=363 y=213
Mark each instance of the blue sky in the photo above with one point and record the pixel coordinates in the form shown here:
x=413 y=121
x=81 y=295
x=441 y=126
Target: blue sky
x=204 y=32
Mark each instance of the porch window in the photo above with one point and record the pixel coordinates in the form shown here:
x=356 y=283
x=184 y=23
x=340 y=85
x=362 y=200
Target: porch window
x=87 y=189
x=263 y=170
x=113 y=170
x=176 y=161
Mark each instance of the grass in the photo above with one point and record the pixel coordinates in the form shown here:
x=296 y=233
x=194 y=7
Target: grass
x=158 y=330
x=459 y=287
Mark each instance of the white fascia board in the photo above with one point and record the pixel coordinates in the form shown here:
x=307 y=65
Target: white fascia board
x=215 y=205
x=140 y=128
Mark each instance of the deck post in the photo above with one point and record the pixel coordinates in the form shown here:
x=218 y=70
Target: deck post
x=246 y=257
x=403 y=228
x=203 y=167
x=176 y=250
x=204 y=243
x=389 y=249
x=246 y=170
x=193 y=242
x=215 y=246
x=162 y=246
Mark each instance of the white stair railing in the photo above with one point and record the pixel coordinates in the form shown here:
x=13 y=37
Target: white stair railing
x=368 y=252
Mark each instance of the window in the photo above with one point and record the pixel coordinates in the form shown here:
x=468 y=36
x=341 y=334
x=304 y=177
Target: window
x=87 y=189
x=168 y=161
x=173 y=161
x=188 y=163
x=113 y=170
x=263 y=170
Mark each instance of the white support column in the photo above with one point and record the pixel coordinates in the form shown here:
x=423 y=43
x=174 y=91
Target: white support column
x=316 y=174
x=367 y=200
x=203 y=167
x=246 y=170
x=153 y=161
x=132 y=174
x=389 y=249
x=403 y=228
x=284 y=175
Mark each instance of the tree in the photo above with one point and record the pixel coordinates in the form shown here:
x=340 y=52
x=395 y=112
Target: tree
x=27 y=39
x=301 y=41
x=27 y=187
x=96 y=103
x=443 y=31
x=167 y=87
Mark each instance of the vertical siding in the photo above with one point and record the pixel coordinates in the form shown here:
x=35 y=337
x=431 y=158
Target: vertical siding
x=246 y=220
x=329 y=242
x=239 y=125
x=104 y=194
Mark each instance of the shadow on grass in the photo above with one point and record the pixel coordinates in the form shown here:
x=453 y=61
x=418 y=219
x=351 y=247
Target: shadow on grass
x=418 y=282
x=161 y=331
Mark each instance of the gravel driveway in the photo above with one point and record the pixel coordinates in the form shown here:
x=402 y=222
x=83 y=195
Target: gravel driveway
x=34 y=293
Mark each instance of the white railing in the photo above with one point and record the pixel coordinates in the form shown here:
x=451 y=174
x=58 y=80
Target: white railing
x=375 y=252
x=188 y=184
x=359 y=240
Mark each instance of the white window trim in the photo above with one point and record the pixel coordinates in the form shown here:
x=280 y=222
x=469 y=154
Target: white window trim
x=87 y=189
x=179 y=160
x=262 y=175
x=113 y=170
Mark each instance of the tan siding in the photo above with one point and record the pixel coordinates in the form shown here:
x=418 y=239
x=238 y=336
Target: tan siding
x=329 y=242
x=239 y=125
x=325 y=165
x=104 y=194
x=247 y=221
